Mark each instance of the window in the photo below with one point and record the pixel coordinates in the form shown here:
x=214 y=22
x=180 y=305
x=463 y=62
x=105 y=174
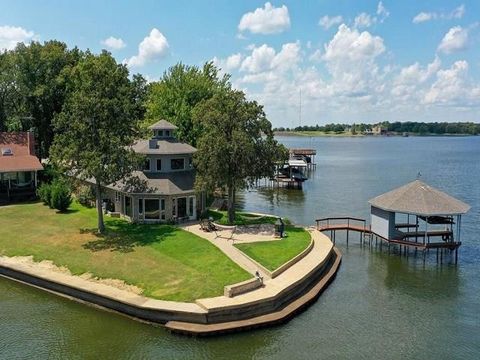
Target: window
x=190 y=164
x=140 y=206
x=146 y=166
x=159 y=164
x=167 y=133
x=162 y=209
x=177 y=164
x=151 y=209
x=128 y=206
x=191 y=201
x=174 y=208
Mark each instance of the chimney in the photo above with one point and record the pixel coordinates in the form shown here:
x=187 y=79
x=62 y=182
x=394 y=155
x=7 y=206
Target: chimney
x=152 y=144
x=31 y=142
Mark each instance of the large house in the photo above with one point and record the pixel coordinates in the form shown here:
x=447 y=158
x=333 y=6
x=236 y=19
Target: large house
x=18 y=166
x=168 y=178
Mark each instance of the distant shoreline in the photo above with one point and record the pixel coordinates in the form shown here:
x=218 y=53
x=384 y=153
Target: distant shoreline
x=346 y=134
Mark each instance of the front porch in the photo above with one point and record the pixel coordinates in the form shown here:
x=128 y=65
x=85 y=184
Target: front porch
x=18 y=186
x=152 y=208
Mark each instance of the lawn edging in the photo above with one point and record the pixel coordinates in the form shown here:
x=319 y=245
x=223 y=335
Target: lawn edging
x=273 y=274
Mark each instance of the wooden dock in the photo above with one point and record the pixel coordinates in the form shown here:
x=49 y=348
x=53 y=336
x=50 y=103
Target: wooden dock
x=350 y=224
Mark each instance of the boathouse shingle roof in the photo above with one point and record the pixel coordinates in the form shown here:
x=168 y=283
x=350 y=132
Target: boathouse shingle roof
x=419 y=198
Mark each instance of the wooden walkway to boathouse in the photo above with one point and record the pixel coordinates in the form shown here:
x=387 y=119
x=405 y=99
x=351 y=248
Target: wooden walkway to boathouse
x=348 y=224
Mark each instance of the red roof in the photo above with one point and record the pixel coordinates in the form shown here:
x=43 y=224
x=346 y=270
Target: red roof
x=22 y=157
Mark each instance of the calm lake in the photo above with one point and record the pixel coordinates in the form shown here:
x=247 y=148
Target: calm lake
x=379 y=306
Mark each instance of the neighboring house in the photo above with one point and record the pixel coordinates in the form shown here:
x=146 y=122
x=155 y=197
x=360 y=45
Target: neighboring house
x=18 y=166
x=379 y=130
x=168 y=181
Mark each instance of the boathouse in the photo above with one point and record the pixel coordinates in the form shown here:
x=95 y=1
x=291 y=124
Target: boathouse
x=418 y=214
x=415 y=215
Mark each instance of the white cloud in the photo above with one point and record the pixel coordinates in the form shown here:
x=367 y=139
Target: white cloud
x=260 y=59
x=265 y=58
x=350 y=58
x=10 y=36
x=152 y=47
x=351 y=79
x=382 y=11
x=452 y=87
x=229 y=64
x=456 y=39
x=114 y=43
x=327 y=22
x=364 y=20
x=423 y=16
x=266 y=20
x=316 y=56
x=408 y=84
x=457 y=13
x=351 y=45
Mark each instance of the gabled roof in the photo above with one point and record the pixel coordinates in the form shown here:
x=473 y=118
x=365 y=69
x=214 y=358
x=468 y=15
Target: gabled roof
x=21 y=156
x=419 y=198
x=162 y=125
x=164 y=147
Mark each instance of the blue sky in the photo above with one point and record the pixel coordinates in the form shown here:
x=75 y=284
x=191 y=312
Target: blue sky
x=353 y=61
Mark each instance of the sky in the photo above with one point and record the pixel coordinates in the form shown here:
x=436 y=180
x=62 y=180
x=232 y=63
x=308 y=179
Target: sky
x=308 y=62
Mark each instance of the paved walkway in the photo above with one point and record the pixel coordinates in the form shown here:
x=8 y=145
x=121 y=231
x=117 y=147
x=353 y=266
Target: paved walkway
x=226 y=245
x=286 y=280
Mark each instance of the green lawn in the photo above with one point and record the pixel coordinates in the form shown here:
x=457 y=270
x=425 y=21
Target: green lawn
x=166 y=262
x=273 y=254
x=241 y=218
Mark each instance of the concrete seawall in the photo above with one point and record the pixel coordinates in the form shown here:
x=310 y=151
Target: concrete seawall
x=274 y=300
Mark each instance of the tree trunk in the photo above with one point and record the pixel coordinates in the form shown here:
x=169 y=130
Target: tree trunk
x=231 y=204
x=98 y=195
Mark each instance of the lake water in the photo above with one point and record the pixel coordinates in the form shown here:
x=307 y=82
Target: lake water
x=379 y=306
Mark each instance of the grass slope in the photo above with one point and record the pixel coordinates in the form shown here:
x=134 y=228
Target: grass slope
x=273 y=254
x=167 y=262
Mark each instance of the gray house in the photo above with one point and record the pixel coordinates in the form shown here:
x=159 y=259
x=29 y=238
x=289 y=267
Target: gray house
x=168 y=177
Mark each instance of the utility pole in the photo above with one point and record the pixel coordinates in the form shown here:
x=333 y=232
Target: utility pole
x=300 y=108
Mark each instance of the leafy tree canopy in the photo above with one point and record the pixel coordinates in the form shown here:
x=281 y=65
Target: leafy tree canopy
x=236 y=146
x=181 y=88
x=98 y=123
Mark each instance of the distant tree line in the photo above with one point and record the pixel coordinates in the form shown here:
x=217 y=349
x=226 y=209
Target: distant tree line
x=411 y=127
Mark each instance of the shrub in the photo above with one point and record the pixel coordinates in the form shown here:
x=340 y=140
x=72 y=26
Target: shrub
x=44 y=192
x=61 y=196
x=85 y=195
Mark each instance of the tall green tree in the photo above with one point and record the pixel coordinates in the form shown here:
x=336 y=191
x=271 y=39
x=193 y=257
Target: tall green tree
x=97 y=124
x=181 y=88
x=39 y=77
x=8 y=90
x=236 y=146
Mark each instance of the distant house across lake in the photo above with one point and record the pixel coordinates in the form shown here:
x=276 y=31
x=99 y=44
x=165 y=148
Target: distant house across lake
x=18 y=166
x=167 y=180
